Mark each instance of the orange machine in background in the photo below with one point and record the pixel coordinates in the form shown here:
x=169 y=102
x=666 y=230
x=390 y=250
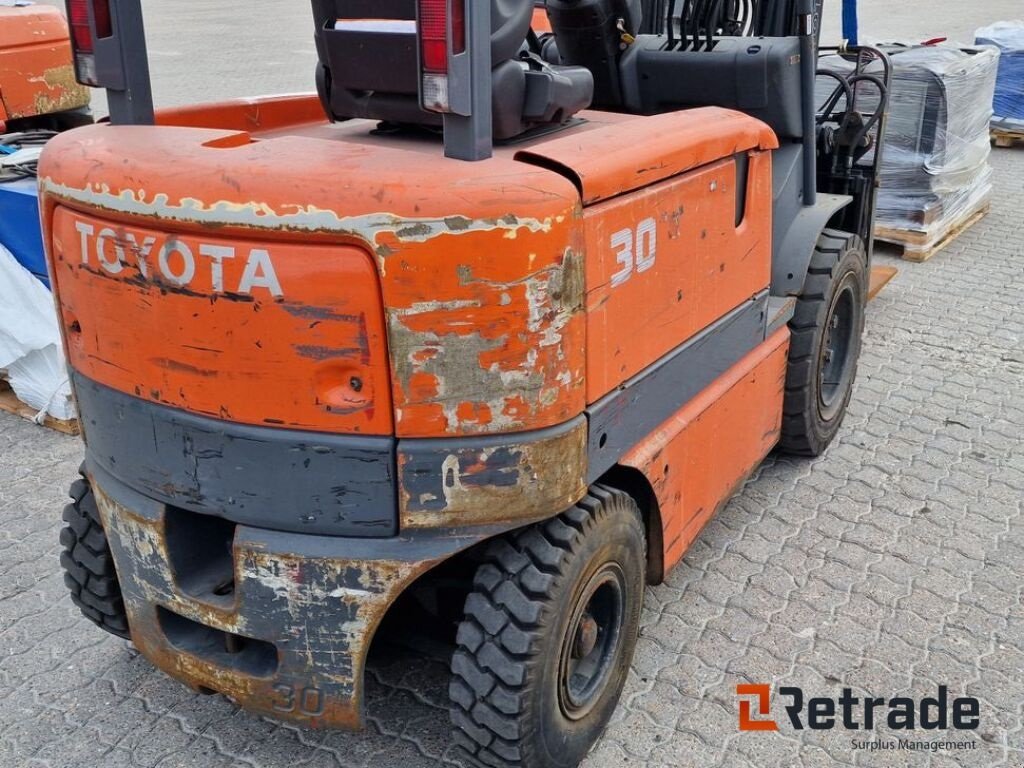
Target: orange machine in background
x=37 y=76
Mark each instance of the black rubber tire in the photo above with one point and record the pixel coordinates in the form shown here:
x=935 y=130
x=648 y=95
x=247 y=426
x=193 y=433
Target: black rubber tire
x=506 y=670
x=838 y=268
x=88 y=564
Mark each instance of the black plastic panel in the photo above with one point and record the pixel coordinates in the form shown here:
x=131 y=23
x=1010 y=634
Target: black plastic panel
x=758 y=76
x=625 y=417
x=277 y=479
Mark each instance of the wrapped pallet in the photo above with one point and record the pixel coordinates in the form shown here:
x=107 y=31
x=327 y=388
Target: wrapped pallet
x=935 y=176
x=31 y=353
x=1008 y=37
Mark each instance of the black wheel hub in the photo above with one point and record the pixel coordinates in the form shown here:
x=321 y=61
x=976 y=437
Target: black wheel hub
x=836 y=365
x=592 y=642
x=587 y=635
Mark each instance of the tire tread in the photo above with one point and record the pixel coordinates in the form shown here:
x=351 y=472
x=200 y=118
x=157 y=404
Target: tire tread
x=798 y=434
x=89 y=572
x=491 y=731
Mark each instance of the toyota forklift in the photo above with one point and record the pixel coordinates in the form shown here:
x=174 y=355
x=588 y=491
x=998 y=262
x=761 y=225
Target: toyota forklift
x=490 y=327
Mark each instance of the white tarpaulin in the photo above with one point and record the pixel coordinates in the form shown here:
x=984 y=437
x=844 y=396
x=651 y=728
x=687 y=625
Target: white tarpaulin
x=30 y=346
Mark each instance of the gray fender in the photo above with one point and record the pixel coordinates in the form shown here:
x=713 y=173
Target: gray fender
x=793 y=258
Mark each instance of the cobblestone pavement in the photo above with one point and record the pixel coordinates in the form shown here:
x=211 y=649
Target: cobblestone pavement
x=892 y=565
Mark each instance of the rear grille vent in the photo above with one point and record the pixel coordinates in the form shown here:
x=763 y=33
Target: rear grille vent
x=244 y=654
x=200 y=548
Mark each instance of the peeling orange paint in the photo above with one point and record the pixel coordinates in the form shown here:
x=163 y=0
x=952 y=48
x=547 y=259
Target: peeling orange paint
x=255 y=264
x=295 y=587
x=37 y=76
x=417 y=299
x=484 y=334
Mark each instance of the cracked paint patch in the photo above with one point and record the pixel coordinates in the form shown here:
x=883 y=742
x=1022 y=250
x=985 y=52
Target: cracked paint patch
x=490 y=362
x=450 y=482
x=287 y=217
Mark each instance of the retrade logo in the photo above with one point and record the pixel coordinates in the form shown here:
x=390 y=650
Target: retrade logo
x=761 y=696
x=852 y=713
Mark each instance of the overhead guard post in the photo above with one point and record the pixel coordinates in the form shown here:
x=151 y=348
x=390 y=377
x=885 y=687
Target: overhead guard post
x=808 y=22
x=122 y=64
x=469 y=134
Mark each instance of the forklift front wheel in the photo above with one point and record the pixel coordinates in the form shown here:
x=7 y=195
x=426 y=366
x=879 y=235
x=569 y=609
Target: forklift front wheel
x=548 y=635
x=88 y=564
x=827 y=331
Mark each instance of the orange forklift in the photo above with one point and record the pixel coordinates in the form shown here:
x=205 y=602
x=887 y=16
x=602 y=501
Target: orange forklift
x=489 y=327
x=38 y=89
x=39 y=97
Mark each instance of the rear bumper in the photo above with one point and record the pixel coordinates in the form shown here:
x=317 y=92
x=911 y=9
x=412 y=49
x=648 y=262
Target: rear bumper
x=316 y=484
x=290 y=638
x=285 y=480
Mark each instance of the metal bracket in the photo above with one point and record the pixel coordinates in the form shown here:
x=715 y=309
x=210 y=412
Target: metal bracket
x=809 y=21
x=122 y=64
x=469 y=135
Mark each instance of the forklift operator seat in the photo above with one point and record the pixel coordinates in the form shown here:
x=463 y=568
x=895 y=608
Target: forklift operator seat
x=369 y=67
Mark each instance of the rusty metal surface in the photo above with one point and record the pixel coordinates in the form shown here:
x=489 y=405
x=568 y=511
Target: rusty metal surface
x=514 y=479
x=37 y=76
x=479 y=268
x=891 y=560
x=317 y=600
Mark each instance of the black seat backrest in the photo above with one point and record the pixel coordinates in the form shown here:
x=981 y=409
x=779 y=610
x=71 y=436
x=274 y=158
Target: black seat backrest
x=370 y=69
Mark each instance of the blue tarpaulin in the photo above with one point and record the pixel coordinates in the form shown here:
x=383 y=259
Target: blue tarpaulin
x=19 y=225
x=850 y=31
x=1008 y=37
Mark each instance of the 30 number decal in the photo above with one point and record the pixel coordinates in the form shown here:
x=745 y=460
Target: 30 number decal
x=308 y=701
x=636 y=252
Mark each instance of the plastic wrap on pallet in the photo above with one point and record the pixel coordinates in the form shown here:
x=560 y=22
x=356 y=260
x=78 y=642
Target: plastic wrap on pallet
x=935 y=168
x=1008 y=37
x=30 y=345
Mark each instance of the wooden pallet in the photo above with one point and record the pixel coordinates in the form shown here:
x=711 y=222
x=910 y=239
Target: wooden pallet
x=9 y=403
x=880 y=277
x=1006 y=139
x=916 y=245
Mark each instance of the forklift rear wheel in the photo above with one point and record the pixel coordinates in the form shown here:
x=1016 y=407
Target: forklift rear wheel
x=827 y=330
x=548 y=636
x=88 y=565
